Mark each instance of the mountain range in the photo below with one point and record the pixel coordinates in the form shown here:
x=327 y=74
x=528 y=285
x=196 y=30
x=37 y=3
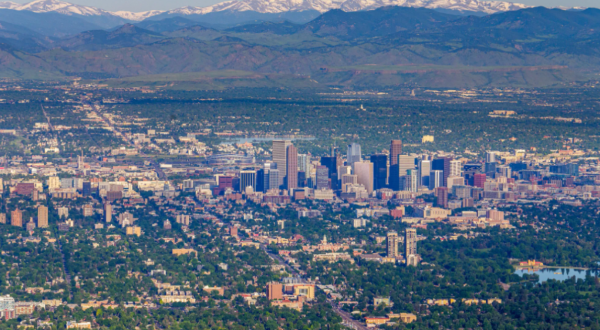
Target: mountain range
x=261 y=6
x=388 y=46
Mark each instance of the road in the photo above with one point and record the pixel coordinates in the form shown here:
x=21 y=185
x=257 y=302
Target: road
x=161 y=174
x=348 y=320
x=64 y=262
x=47 y=119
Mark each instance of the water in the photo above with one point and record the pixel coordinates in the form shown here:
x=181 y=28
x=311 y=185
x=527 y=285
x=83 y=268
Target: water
x=561 y=273
x=263 y=139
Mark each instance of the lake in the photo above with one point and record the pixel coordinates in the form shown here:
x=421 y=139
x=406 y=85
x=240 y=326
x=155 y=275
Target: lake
x=559 y=274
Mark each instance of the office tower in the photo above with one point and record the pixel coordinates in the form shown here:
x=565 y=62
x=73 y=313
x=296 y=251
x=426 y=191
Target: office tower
x=490 y=157
x=291 y=180
x=16 y=218
x=405 y=163
x=461 y=192
x=479 y=180
x=424 y=169
x=108 y=212
x=436 y=179
x=392 y=244
x=379 y=170
x=274 y=291
x=186 y=185
x=87 y=189
x=247 y=179
x=442 y=197
x=80 y=162
x=490 y=168
x=455 y=168
x=442 y=164
x=274 y=179
x=322 y=177
x=342 y=170
x=67 y=183
x=395 y=151
x=349 y=179
x=505 y=171
x=354 y=154
x=304 y=163
x=260 y=180
x=410 y=243
x=410 y=181
x=53 y=183
x=364 y=174
x=301 y=179
x=42 y=216
x=331 y=164
x=280 y=157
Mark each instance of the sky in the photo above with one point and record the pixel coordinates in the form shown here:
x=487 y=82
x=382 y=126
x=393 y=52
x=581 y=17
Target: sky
x=143 y=5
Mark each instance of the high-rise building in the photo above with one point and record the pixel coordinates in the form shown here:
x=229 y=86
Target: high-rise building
x=405 y=163
x=16 y=218
x=291 y=181
x=410 y=243
x=42 y=216
x=349 y=179
x=379 y=171
x=490 y=157
x=331 y=164
x=354 y=154
x=455 y=168
x=342 y=170
x=424 y=170
x=280 y=157
x=436 y=179
x=53 y=183
x=247 y=179
x=442 y=197
x=410 y=181
x=87 y=189
x=260 y=180
x=479 y=180
x=108 y=210
x=442 y=164
x=505 y=171
x=274 y=175
x=322 y=177
x=304 y=163
x=490 y=168
x=274 y=291
x=364 y=174
x=392 y=244
x=395 y=151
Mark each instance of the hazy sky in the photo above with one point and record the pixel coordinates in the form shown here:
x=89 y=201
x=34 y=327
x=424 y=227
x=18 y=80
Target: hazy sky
x=142 y=5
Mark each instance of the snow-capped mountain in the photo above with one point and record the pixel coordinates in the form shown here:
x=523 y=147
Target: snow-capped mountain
x=9 y=5
x=139 y=16
x=268 y=6
x=45 y=6
x=278 y=6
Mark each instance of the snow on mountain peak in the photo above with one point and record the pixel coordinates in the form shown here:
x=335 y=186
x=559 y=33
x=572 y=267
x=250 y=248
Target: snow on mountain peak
x=8 y=5
x=140 y=16
x=269 y=6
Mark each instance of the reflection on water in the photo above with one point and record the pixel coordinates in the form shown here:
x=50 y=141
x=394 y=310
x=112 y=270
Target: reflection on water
x=263 y=139
x=559 y=274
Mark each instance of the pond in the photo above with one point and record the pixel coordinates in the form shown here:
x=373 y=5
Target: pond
x=559 y=274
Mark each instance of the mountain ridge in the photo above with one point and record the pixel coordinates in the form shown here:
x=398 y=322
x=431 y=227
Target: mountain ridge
x=262 y=6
